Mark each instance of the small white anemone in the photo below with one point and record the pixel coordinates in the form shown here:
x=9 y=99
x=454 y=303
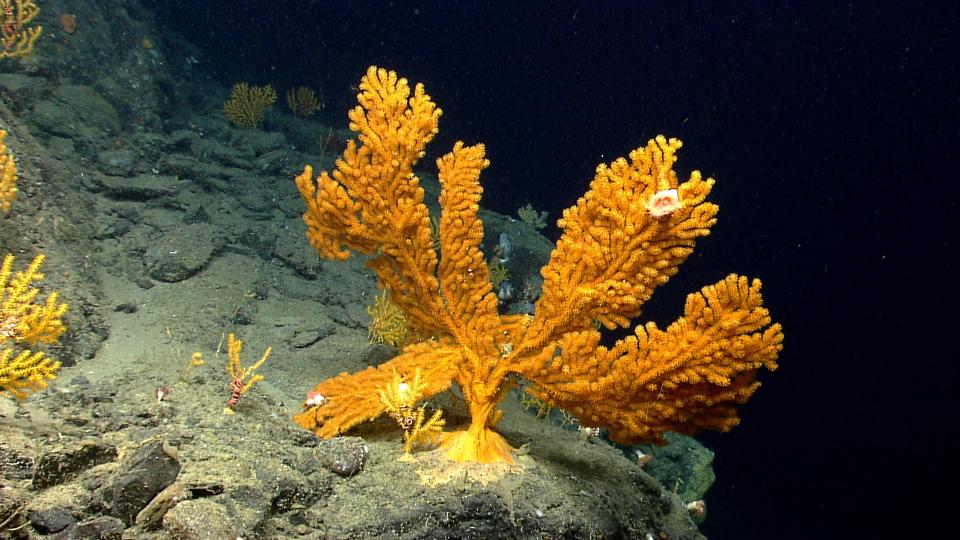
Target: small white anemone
x=314 y=399
x=663 y=203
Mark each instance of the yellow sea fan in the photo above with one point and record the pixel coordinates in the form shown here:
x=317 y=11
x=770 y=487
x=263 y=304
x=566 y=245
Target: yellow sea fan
x=302 y=101
x=247 y=104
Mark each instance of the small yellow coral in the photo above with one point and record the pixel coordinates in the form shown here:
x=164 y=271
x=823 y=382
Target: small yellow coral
x=529 y=215
x=531 y=404
x=8 y=175
x=25 y=321
x=241 y=379
x=400 y=398
x=498 y=272
x=18 y=39
x=388 y=324
x=196 y=360
x=247 y=104
x=302 y=101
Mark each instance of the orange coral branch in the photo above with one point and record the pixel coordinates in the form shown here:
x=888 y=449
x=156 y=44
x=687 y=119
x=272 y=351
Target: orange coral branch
x=353 y=398
x=373 y=203
x=612 y=254
x=464 y=276
x=684 y=379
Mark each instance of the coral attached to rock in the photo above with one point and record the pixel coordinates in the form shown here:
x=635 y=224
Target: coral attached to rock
x=24 y=321
x=611 y=256
x=248 y=104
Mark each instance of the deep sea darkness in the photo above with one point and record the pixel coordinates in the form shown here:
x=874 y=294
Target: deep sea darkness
x=832 y=131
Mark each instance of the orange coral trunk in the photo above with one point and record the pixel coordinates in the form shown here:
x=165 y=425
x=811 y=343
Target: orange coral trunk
x=478 y=442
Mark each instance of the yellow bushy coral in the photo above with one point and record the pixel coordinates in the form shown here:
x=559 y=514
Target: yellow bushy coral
x=25 y=321
x=18 y=38
x=529 y=215
x=242 y=378
x=626 y=236
x=302 y=101
x=248 y=104
x=388 y=324
x=400 y=398
x=8 y=175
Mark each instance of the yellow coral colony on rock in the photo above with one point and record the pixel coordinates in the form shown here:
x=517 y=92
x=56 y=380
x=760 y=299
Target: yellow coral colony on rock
x=400 y=399
x=25 y=321
x=248 y=104
x=242 y=378
x=302 y=101
x=611 y=256
x=18 y=37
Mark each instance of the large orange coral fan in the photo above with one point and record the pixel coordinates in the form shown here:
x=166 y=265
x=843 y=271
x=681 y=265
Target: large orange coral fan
x=611 y=256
